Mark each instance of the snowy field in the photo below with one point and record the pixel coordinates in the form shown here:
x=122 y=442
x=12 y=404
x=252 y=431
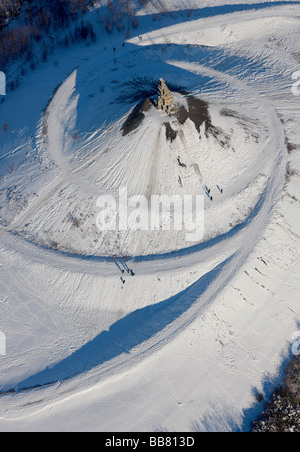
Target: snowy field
x=202 y=328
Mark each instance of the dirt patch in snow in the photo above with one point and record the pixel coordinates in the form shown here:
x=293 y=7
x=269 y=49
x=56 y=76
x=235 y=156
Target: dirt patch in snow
x=171 y=134
x=291 y=147
x=197 y=112
x=136 y=117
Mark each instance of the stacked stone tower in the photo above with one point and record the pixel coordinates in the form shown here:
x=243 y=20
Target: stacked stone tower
x=165 y=98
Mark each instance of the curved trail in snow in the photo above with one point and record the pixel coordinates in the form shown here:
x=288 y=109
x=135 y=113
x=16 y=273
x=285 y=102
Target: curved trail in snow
x=175 y=313
x=146 y=330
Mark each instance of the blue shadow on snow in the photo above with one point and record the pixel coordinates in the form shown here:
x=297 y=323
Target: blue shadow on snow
x=123 y=336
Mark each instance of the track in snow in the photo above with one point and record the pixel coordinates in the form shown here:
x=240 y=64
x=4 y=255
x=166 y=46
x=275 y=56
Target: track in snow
x=151 y=327
x=143 y=331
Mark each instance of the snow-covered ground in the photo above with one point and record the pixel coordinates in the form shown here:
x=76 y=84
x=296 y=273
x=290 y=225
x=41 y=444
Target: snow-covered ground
x=185 y=344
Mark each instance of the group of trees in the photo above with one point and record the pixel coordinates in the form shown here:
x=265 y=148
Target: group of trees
x=38 y=19
x=44 y=17
x=282 y=412
x=9 y=9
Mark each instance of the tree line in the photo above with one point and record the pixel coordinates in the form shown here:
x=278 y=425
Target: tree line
x=37 y=20
x=40 y=18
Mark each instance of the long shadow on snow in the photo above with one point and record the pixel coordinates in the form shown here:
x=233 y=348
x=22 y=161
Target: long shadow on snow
x=124 y=335
x=133 y=88
x=144 y=323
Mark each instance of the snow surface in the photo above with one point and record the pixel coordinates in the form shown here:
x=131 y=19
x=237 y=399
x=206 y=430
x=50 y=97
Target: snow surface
x=187 y=342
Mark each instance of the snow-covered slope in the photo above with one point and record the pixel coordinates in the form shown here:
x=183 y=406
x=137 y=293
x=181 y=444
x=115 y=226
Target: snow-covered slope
x=104 y=160
x=187 y=341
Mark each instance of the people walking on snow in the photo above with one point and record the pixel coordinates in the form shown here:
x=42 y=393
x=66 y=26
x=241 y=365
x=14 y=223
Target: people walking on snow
x=123 y=264
x=207 y=191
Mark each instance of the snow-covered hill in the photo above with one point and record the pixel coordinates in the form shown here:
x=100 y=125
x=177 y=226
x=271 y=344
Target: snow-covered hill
x=187 y=341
